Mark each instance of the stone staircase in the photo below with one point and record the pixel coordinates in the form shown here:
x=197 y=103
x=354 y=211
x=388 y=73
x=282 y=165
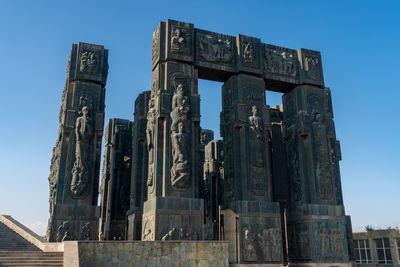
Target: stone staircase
x=17 y=251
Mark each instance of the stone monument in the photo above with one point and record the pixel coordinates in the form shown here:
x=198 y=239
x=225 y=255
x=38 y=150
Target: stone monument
x=75 y=163
x=141 y=148
x=271 y=187
x=116 y=179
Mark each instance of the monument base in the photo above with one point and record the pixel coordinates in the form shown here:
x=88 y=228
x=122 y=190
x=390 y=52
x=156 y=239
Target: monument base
x=319 y=264
x=134 y=224
x=173 y=218
x=74 y=222
x=255 y=265
x=317 y=234
x=253 y=232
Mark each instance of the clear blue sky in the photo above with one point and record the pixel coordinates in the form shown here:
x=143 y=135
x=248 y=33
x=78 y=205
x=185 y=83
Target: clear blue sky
x=359 y=42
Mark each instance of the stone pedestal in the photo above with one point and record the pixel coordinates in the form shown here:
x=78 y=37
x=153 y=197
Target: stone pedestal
x=173 y=218
x=253 y=229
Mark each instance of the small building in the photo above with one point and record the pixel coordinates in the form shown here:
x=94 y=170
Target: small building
x=377 y=247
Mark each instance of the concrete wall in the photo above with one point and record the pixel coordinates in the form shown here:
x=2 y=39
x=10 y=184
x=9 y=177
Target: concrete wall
x=146 y=253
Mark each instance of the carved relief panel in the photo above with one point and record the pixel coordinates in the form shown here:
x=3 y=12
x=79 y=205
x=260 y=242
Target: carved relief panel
x=180 y=40
x=300 y=242
x=309 y=132
x=280 y=63
x=249 y=53
x=330 y=240
x=88 y=62
x=214 y=50
x=158 y=45
x=311 y=67
x=244 y=123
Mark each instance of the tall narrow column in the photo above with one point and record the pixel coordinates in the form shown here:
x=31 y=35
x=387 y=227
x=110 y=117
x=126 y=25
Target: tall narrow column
x=173 y=209
x=316 y=218
x=251 y=220
x=139 y=164
x=116 y=179
x=74 y=170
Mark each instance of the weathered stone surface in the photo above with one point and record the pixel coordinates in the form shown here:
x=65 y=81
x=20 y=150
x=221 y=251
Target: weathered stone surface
x=186 y=253
x=213 y=178
x=116 y=179
x=142 y=147
x=316 y=220
x=74 y=169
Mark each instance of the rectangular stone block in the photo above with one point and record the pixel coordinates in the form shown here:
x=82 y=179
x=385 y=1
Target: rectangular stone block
x=179 y=41
x=216 y=55
x=88 y=62
x=173 y=218
x=158 y=46
x=249 y=54
x=311 y=67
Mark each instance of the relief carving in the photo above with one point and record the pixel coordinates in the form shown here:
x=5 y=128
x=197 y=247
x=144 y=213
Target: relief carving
x=249 y=248
x=88 y=62
x=249 y=54
x=256 y=150
x=324 y=236
x=169 y=235
x=280 y=62
x=270 y=244
x=151 y=121
x=63 y=232
x=322 y=157
x=83 y=139
x=180 y=40
x=213 y=49
x=312 y=67
x=155 y=50
x=85 y=232
x=148 y=234
x=180 y=130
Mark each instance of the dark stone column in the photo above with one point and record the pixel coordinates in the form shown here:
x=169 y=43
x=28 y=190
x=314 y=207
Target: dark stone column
x=316 y=218
x=212 y=180
x=139 y=164
x=116 y=179
x=74 y=170
x=249 y=213
x=173 y=209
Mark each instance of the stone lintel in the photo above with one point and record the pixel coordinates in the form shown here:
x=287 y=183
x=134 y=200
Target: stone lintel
x=218 y=56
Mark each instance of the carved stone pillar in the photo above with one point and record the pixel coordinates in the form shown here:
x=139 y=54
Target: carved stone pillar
x=116 y=179
x=315 y=217
x=173 y=132
x=74 y=170
x=251 y=220
x=139 y=164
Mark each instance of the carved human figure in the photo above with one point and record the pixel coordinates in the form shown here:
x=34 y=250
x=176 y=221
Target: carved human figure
x=249 y=53
x=264 y=244
x=180 y=107
x=177 y=41
x=324 y=236
x=180 y=170
x=85 y=231
x=312 y=67
x=249 y=247
x=169 y=235
x=151 y=120
x=322 y=157
x=255 y=124
x=83 y=138
x=62 y=232
x=276 y=244
x=336 y=241
x=88 y=61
